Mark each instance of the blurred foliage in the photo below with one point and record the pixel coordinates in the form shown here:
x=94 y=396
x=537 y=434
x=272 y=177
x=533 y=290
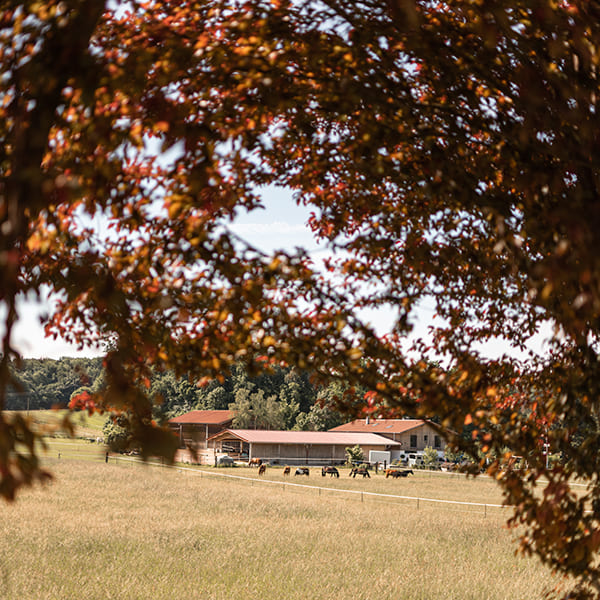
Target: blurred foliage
x=448 y=152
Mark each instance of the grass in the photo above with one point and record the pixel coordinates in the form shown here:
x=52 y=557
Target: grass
x=86 y=426
x=127 y=531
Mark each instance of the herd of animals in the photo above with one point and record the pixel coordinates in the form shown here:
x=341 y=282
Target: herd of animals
x=331 y=471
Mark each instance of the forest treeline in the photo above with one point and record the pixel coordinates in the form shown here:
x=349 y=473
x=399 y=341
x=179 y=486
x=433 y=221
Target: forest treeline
x=282 y=399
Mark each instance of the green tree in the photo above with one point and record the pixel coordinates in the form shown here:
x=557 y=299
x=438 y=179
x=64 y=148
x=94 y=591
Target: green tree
x=253 y=410
x=320 y=417
x=243 y=409
x=323 y=414
x=172 y=396
x=269 y=413
x=289 y=410
x=47 y=383
x=297 y=389
x=216 y=399
x=165 y=396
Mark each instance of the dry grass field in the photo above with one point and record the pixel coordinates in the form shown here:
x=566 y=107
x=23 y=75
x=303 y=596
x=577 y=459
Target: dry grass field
x=126 y=531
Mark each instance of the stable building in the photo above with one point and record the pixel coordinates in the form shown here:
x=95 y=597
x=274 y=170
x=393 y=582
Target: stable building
x=194 y=428
x=296 y=447
x=414 y=435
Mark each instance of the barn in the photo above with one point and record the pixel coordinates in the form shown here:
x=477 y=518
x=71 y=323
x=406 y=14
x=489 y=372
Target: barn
x=296 y=447
x=414 y=435
x=195 y=427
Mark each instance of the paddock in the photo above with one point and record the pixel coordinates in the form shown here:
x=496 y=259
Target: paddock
x=320 y=521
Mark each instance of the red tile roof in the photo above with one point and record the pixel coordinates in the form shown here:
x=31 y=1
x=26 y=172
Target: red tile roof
x=382 y=426
x=305 y=437
x=204 y=417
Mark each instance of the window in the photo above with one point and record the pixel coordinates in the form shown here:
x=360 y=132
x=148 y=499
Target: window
x=437 y=442
x=425 y=439
x=413 y=441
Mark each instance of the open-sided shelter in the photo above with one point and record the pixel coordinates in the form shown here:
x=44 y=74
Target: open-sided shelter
x=296 y=447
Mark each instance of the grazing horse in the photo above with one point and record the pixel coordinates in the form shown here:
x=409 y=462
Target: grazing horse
x=331 y=470
x=286 y=471
x=302 y=471
x=395 y=473
x=360 y=471
x=262 y=469
x=255 y=462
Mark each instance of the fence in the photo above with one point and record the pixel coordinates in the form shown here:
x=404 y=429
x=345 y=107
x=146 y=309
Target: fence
x=362 y=495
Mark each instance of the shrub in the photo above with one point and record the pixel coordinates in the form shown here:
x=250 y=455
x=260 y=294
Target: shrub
x=115 y=436
x=430 y=458
x=354 y=455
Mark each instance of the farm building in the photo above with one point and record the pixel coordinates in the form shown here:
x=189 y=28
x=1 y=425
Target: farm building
x=414 y=435
x=296 y=447
x=195 y=427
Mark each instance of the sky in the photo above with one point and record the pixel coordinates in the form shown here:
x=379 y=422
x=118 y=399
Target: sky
x=281 y=225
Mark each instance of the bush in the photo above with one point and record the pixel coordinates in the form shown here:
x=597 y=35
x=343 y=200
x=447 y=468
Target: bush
x=430 y=458
x=354 y=455
x=115 y=436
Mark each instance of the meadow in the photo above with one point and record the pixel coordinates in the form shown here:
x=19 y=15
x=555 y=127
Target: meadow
x=123 y=530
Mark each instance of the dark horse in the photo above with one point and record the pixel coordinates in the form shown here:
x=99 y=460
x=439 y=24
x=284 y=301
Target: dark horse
x=331 y=470
x=360 y=471
x=302 y=471
x=396 y=473
x=262 y=469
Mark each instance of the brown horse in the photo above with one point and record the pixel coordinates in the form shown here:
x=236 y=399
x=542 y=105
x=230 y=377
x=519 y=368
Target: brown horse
x=255 y=462
x=262 y=469
x=286 y=471
x=360 y=471
x=331 y=470
x=395 y=473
